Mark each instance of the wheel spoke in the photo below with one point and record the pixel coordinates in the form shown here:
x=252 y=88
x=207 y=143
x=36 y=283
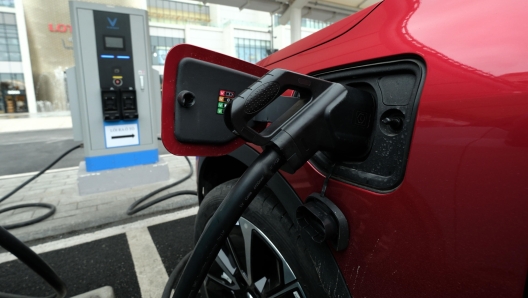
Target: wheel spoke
x=247 y=229
x=249 y=260
x=214 y=287
x=227 y=277
x=259 y=284
x=287 y=272
x=224 y=261
x=239 y=273
x=291 y=290
x=223 y=283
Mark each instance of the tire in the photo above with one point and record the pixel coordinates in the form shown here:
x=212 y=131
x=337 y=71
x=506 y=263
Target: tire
x=280 y=265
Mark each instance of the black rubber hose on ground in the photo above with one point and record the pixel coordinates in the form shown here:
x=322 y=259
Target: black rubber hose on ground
x=39 y=173
x=33 y=261
x=223 y=220
x=44 y=205
x=134 y=207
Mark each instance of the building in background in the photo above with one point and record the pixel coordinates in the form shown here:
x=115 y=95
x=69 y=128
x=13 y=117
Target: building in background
x=16 y=81
x=36 y=42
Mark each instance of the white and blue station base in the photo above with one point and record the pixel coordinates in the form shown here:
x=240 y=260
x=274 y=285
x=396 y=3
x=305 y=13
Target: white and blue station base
x=121 y=178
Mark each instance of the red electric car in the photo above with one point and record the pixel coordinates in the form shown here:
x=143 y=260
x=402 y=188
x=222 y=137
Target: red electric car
x=438 y=207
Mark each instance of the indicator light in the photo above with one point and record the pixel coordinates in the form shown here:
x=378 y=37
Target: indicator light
x=123 y=57
x=108 y=56
x=224 y=98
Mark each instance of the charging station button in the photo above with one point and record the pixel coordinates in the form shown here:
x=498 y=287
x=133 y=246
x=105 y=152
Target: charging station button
x=118 y=82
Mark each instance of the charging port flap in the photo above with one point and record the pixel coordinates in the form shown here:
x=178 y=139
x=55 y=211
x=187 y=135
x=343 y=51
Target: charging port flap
x=200 y=105
x=197 y=86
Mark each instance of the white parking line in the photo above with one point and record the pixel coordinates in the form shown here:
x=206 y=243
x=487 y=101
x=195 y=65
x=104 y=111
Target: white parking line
x=89 y=237
x=150 y=272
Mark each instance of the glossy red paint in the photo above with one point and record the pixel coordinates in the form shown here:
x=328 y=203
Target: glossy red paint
x=457 y=226
x=324 y=35
x=175 y=55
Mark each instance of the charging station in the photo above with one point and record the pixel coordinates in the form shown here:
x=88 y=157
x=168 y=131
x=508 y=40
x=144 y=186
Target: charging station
x=114 y=97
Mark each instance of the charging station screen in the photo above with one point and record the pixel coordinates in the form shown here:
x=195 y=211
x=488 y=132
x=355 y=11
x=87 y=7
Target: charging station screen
x=112 y=42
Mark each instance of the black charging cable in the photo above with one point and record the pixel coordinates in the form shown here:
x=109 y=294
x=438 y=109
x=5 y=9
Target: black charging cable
x=33 y=261
x=134 y=207
x=223 y=220
x=51 y=207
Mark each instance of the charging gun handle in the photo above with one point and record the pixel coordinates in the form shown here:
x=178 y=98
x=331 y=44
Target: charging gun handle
x=301 y=130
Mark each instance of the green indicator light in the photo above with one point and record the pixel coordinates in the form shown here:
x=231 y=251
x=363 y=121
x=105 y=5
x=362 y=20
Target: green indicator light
x=220 y=111
x=220 y=104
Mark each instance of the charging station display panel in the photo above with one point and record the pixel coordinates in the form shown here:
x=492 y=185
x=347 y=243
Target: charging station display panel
x=116 y=69
x=114 y=43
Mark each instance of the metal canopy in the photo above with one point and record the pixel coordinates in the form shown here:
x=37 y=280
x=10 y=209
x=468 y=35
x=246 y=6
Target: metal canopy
x=322 y=10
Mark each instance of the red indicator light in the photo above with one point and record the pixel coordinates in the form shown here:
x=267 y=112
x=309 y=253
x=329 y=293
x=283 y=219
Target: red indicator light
x=226 y=93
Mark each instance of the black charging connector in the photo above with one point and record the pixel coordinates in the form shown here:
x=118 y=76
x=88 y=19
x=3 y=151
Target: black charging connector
x=327 y=116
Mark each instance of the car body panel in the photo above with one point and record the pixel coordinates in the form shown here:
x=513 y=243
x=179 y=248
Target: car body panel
x=457 y=224
x=324 y=35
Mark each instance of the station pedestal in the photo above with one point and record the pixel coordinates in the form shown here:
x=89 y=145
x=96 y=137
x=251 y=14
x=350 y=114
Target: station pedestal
x=121 y=178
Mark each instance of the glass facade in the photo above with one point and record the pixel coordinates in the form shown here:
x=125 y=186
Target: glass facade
x=7 y=3
x=12 y=93
x=12 y=87
x=166 y=11
x=252 y=50
x=314 y=24
x=9 y=46
x=160 y=46
x=305 y=23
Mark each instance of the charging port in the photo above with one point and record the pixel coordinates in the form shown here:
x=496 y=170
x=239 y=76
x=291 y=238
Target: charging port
x=110 y=102
x=129 y=105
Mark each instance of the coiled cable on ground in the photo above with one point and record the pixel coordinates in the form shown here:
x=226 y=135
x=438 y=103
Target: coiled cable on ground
x=134 y=207
x=51 y=207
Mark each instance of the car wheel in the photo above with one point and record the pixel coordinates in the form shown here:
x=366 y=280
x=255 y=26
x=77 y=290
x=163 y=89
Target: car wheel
x=263 y=255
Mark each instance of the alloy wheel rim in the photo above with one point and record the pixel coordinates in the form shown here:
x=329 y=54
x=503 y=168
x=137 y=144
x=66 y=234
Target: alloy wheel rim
x=250 y=266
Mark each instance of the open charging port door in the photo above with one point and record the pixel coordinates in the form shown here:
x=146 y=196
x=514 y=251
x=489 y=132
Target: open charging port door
x=196 y=89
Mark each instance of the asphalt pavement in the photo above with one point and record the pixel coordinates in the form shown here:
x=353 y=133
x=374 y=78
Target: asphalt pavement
x=135 y=259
